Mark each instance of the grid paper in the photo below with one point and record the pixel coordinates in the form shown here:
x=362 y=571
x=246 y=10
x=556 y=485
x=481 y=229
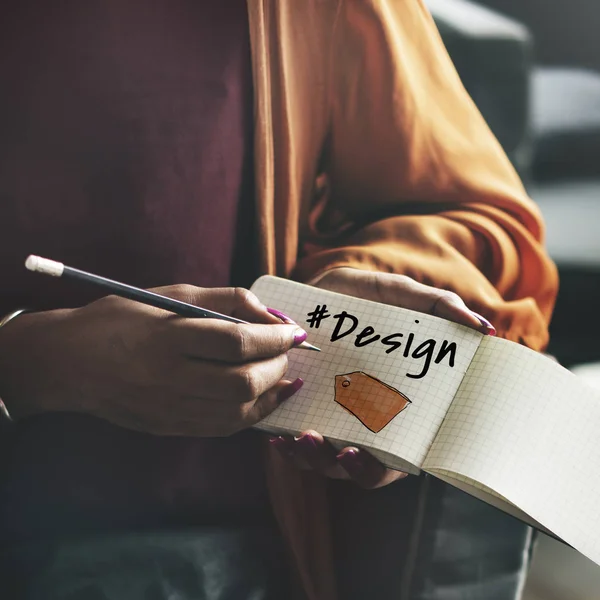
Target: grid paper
x=529 y=430
x=407 y=438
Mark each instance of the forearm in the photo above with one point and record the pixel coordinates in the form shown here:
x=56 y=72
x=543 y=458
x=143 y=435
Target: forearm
x=417 y=183
x=499 y=268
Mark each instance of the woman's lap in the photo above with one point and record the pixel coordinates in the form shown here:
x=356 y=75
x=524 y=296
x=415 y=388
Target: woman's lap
x=199 y=564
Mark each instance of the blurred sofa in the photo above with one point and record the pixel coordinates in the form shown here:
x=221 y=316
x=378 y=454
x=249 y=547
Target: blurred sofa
x=565 y=32
x=455 y=547
x=493 y=56
x=547 y=118
x=426 y=540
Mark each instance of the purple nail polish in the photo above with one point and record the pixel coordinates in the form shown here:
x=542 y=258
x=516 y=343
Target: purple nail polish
x=307 y=443
x=351 y=460
x=281 y=316
x=289 y=390
x=491 y=330
x=282 y=445
x=300 y=337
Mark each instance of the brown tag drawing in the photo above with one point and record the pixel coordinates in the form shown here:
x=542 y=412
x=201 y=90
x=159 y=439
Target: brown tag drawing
x=374 y=403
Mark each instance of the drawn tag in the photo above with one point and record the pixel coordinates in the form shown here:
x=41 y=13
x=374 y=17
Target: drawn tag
x=374 y=403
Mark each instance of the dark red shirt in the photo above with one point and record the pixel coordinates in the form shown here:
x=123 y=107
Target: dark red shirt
x=126 y=150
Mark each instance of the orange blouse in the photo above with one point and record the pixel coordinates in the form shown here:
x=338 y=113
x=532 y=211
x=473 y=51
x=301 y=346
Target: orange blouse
x=370 y=154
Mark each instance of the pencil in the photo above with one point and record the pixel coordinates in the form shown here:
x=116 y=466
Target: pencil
x=183 y=309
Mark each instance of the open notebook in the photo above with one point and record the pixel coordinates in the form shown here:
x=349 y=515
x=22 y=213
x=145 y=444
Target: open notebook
x=493 y=418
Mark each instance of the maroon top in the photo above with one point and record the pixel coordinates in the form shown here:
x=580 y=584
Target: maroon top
x=125 y=149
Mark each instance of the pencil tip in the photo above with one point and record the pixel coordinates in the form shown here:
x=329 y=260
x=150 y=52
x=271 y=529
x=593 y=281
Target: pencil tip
x=307 y=346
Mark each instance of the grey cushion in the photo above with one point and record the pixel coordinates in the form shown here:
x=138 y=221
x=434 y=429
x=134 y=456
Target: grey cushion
x=571 y=210
x=566 y=122
x=492 y=55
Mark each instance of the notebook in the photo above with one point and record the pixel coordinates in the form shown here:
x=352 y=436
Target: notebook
x=493 y=418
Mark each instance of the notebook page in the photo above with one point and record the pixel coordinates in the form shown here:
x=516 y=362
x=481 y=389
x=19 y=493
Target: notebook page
x=529 y=430
x=480 y=492
x=345 y=383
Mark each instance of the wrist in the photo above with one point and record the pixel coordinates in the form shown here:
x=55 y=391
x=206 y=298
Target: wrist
x=26 y=357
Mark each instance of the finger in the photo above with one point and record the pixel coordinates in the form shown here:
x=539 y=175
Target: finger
x=271 y=400
x=306 y=452
x=451 y=307
x=227 y=383
x=400 y=290
x=285 y=447
x=209 y=417
x=236 y=302
x=234 y=343
x=365 y=470
x=318 y=454
x=281 y=317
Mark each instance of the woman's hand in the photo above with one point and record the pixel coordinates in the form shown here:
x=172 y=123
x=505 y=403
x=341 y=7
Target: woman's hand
x=145 y=369
x=400 y=290
x=310 y=450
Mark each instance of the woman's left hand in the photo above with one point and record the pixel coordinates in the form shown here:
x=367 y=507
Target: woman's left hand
x=310 y=450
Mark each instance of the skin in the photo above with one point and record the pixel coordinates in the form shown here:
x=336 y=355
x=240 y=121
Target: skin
x=147 y=370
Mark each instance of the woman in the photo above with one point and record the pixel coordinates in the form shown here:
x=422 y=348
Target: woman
x=161 y=144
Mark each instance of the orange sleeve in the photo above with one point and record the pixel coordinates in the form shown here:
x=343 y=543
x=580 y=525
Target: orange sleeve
x=417 y=183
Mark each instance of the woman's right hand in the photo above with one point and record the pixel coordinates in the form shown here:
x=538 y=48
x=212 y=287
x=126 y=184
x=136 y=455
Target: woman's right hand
x=145 y=369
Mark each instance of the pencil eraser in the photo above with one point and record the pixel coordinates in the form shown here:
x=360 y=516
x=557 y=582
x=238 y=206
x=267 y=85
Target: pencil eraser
x=44 y=265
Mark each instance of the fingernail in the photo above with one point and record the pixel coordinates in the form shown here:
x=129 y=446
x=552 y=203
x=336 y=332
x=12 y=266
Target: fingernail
x=289 y=390
x=307 y=444
x=491 y=330
x=281 y=316
x=281 y=445
x=351 y=460
x=299 y=336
